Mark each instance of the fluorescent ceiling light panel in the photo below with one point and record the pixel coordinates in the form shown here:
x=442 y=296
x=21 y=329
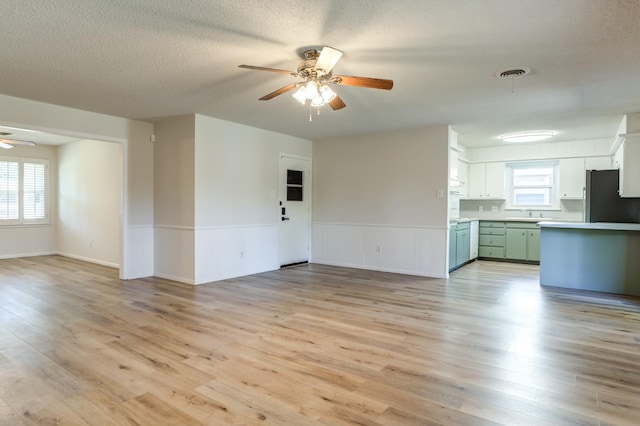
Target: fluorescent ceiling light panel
x=535 y=136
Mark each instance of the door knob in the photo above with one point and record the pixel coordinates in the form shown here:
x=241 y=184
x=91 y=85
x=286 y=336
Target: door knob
x=284 y=218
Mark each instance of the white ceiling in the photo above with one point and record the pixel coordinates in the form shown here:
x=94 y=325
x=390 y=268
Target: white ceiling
x=148 y=59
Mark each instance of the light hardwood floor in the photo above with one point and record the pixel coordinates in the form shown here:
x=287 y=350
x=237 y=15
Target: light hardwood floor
x=313 y=345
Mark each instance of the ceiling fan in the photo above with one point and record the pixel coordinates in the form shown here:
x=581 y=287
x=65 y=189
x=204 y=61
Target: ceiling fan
x=316 y=73
x=11 y=143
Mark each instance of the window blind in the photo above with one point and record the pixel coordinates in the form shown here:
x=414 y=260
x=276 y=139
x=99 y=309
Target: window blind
x=9 y=190
x=34 y=191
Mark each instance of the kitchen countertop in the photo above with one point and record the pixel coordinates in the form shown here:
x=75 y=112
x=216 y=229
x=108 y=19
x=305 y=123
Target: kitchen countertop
x=607 y=226
x=508 y=219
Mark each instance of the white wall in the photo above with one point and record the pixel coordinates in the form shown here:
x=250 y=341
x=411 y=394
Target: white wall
x=32 y=240
x=89 y=201
x=375 y=202
x=237 y=209
x=137 y=250
x=216 y=198
x=174 y=199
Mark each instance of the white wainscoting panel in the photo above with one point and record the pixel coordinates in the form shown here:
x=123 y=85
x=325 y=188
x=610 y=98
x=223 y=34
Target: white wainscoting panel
x=402 y=249
x=174 y=253
x=234 y=251
x=24 y=241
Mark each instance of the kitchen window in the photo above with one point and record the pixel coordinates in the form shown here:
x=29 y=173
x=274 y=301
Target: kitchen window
x=532 y=185
x=23 y=191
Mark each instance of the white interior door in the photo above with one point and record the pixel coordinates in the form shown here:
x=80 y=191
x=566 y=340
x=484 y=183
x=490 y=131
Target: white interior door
x=295 y=205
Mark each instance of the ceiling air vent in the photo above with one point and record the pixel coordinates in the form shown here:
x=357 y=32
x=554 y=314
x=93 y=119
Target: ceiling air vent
x=510 y=73
x=513 y=72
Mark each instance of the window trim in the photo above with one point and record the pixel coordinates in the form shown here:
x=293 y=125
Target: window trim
x=555 y=189
x=21 y=221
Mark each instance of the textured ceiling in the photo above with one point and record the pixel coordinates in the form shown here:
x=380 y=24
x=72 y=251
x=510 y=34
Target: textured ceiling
x=148 y=59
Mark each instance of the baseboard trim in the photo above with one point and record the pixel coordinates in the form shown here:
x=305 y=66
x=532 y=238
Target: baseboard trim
x=16 y=256
x=379 y=269
x=175 y=278
x=90 y=260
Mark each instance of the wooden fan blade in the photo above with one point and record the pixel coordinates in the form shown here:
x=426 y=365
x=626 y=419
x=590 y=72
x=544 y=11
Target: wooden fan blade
x=252 y=67
x=280 y=91
x=328 y=59
x=337 y=103
x=373 y=83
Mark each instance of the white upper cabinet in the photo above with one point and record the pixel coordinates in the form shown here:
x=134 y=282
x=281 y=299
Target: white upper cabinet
x=598 y=163
x=628 y=156
x=463 y=178
x=477 y=173
x=572 y=178
x=573 y=174
x=495 y=180
x=453 y=165
x=486 y=181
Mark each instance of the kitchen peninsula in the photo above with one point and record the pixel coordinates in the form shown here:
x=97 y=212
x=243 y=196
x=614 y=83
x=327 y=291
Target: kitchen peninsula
x=597 y=256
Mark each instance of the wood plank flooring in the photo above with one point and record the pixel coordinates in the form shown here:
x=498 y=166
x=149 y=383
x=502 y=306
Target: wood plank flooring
x=312 y=345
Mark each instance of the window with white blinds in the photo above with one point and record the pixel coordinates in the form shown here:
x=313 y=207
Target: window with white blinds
x=23 y=191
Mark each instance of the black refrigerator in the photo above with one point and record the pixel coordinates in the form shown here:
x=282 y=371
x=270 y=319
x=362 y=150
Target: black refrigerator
x=604 y=204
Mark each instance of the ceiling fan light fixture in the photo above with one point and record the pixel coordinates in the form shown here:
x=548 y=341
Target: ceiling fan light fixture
x=317 y=94
x=316 y=70
x=533 y=136
x=317 y=101
x=312 y=90
x=327 y=94
x=301 y=95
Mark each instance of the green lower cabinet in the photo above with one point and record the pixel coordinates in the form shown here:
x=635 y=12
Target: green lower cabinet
x=459 y=245
x=463 y=249
x=491 y=239
x=453 y=247
x=533 y=245
x=516 y=244
x=522 y=242
x=518 y=241
x=495 y=252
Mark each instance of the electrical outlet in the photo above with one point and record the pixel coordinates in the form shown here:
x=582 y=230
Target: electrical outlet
x=494 y=209
x=480 y=208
